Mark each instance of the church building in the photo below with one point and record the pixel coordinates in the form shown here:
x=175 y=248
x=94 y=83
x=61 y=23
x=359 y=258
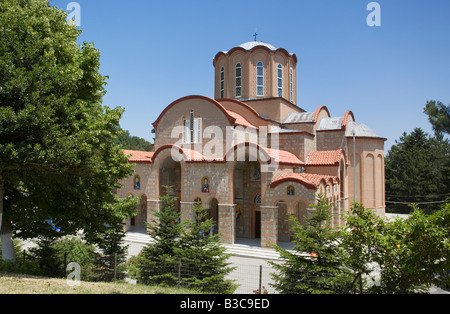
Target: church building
x=251 y=155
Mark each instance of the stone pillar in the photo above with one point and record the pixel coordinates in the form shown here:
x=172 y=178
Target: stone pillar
x=227 y=222
x=269 y=226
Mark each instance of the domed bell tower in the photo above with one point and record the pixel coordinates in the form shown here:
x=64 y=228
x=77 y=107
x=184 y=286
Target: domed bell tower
x=254 y=71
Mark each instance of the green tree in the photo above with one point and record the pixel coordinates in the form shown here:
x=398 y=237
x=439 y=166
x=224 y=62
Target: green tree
x=202 y=256
x=359 y=237
x=439 y=116
x=58 y=157
x=408 y=252
x=110 y=258
x=317 y=264
x=417 y=171
x=157 y=262
x=46 y=255
x=127 y=141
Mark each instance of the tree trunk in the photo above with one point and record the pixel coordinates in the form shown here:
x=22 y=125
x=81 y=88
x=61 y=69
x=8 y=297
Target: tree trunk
x=8 y=253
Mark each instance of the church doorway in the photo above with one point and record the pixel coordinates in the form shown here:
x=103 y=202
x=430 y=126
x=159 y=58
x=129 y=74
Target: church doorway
x=170 y=175
x=247 y=197
x=138 y=222
x=258 y=224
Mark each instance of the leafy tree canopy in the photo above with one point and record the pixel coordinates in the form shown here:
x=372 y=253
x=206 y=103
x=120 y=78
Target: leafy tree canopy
x=439 y=116
x=58 y=154
x=126 y=141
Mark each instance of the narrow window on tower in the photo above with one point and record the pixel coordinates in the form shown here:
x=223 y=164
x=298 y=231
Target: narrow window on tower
x=238 y=80
x=280 y=81
x=222 y=82
x=191 y=127
x=292 y=85
x=259 y=79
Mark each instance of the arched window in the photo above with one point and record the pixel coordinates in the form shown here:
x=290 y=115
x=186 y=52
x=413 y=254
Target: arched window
x=259 y=79
x=280 y=80
x=292 y=84
x=222 y=82
x=238 y=80
x=257 y=200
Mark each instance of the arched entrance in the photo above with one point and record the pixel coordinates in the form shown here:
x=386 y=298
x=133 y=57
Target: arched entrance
x=170 y=175
x=247 y=197
x=139 y=222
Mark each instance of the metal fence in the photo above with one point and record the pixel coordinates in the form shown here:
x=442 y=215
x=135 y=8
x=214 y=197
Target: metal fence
x=252 y=279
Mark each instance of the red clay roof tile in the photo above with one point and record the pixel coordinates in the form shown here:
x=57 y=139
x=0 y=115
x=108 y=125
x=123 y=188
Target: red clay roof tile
x=324 y=158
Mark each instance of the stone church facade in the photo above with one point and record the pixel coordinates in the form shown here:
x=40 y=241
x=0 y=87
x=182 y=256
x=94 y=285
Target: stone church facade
x=252 y=156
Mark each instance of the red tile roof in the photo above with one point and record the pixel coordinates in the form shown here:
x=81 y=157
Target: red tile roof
x=280 y=156
x=309 y=180
x=284 y=157
x=325 y=158
x=139 y=156
x=240 y=120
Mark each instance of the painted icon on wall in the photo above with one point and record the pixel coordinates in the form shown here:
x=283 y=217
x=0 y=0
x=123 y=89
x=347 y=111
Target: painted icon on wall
x=137 y=182
x=290 y=190
x=205 y=185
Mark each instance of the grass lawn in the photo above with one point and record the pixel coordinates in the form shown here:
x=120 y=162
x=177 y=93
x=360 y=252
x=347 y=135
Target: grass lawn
x=27 y=284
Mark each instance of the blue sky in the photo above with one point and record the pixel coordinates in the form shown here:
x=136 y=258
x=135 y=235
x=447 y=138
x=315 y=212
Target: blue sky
x=155 y=52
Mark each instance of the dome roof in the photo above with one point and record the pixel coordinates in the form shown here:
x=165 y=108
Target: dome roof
x=252 y=44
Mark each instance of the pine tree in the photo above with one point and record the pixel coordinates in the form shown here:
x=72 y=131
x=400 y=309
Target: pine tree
x=45 y=253
x=111 y=257
x=157 y=263
x=202 y=256
x=316 y=266
x=417 y=171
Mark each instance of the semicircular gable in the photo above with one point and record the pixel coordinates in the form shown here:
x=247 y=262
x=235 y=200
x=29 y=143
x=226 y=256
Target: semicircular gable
x=320 y=111
x=348 y=116
x=230 y=119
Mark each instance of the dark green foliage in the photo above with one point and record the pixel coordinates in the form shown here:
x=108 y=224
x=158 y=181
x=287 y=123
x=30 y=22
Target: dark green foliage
x=109 y=260
x=183 y=254
x=417 y=171
x=46 y=256
x=317 y=265
x=203 y=256
x=411 y=254
x=439 y=116
x=73 y=250
x=157 y=261
x=58 y=156
x=127 y=141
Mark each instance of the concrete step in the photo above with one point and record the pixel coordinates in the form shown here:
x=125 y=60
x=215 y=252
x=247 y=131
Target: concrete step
x=137 y=237
x=252 y=251
x=246 y=249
